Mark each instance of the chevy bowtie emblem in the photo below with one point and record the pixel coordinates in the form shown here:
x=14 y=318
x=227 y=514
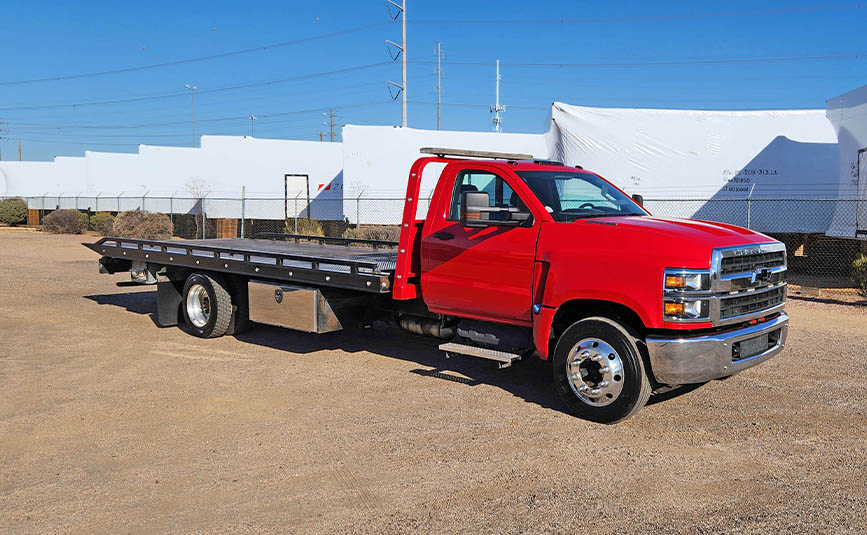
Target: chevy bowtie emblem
x=761 y=275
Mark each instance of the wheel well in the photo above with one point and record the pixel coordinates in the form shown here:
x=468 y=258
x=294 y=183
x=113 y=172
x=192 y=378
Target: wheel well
x=577 y=309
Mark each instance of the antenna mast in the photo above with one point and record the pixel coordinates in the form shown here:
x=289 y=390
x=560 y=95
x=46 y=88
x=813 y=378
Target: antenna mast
x=496 y=109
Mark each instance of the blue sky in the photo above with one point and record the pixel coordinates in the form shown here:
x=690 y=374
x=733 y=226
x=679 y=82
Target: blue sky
x=625 y=54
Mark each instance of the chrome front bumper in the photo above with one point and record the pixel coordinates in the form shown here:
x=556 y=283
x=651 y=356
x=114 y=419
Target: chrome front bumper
x=696 y=359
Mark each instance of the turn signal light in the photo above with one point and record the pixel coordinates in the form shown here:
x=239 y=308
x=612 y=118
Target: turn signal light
x=674 y=309
x=675 y=281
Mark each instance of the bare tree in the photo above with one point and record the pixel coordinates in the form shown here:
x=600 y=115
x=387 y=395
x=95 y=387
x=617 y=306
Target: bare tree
x=198 y=190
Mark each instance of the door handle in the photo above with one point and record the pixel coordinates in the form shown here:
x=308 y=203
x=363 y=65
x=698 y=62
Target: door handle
x=443 y=235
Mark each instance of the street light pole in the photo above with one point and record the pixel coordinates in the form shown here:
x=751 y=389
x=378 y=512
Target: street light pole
x=193 y=90
x=252 y=118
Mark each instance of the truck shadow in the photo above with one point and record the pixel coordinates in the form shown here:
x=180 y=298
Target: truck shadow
x=529 y=379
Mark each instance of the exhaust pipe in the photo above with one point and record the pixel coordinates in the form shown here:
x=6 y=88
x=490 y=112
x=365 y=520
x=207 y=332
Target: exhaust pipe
x=427 y=327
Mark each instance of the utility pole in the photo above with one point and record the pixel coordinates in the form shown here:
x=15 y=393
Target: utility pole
x=193 y=90
x=496 y=108
x=321 y=135
x=439 y=81
x=402 y=47
x=1 y=139
x=330 y=124
x=19 y=150
x=252 y=118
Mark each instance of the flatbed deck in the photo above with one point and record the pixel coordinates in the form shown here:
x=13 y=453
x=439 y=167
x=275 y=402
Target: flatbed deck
x=344 y=263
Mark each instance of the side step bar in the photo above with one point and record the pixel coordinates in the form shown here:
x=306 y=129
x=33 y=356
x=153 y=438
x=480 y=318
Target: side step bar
x=503 y=358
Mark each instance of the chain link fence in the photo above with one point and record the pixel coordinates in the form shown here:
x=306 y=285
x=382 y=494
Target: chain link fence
x=819 y=233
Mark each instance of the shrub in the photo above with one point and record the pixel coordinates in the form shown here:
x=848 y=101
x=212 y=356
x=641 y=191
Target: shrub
x=142 y=225
x=66 y=222
x=13 y=211
x=306 y=227
x=374 y=232
x=102 y=223
x=859 y=274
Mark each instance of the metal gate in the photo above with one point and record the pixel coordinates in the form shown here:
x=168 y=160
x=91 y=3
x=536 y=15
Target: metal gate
x=861 y=216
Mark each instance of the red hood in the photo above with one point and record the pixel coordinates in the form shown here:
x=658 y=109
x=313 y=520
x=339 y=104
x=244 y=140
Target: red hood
x=680 y=242
x=695 y=231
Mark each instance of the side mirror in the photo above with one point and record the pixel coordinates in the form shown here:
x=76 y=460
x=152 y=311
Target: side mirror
x=639 y=199
x=474 y=208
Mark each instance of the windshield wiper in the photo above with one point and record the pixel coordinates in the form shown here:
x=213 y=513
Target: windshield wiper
x=593 y=216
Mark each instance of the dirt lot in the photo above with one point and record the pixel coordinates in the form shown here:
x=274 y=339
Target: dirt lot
x=111 y=424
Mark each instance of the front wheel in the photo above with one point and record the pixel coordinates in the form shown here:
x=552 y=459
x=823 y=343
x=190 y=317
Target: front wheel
x=598 y=371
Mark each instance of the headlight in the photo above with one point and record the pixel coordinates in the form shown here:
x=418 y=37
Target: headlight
x=686 y=280
x=686 y=309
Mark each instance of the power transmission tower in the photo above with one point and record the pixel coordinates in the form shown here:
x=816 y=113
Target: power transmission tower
x=330 y=124
x=439 y=69
x=402 y=53
x=193 y=90
x=496 y=108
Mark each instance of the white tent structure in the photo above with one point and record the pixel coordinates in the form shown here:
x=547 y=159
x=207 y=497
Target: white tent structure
x=160 y=178
x=848 y=114
x=733 y=158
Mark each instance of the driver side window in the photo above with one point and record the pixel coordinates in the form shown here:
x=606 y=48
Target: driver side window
x=499 y=192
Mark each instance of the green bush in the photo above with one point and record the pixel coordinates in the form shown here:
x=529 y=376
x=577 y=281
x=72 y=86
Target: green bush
x=374 y=232
x=13 y=211
x=142 y=225
x=859 y=274
x=102 y=223
x=306 y=227
x=66 y=222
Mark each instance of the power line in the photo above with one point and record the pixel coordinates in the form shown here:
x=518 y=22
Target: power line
x=212 y=119
x=708 y=61
x=197 y=59
x=721 y=61
x=214 y=90
x=649 y=18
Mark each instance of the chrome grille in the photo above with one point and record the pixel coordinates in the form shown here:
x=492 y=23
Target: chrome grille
x=750 y=302
x=752 y=262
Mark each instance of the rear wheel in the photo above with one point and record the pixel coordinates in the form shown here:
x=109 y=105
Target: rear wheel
x=207 y=306
x=598 y=371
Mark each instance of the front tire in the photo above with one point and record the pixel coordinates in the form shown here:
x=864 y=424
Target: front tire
x=207 y=306
x=598 y=371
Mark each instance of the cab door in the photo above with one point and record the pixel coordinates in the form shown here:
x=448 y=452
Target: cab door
x=485 y=273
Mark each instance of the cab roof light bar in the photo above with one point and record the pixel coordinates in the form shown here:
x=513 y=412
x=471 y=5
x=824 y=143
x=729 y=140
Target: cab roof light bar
x=511 y=157
x=464 y=153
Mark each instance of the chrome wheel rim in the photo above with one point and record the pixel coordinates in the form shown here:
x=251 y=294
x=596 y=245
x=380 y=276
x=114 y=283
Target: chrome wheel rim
x=595 y=372
x=198 y=305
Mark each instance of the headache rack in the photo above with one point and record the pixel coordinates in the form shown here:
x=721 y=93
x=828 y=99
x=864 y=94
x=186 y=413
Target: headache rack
x=356 y=269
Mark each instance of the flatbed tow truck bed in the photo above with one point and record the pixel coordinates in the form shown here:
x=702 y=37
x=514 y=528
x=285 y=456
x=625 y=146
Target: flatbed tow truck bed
x=365 y=265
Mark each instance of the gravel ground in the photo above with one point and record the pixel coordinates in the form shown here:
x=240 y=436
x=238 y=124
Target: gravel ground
x=111 y=424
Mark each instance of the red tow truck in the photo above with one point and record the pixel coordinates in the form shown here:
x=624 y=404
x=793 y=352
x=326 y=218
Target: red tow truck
x=517 y=257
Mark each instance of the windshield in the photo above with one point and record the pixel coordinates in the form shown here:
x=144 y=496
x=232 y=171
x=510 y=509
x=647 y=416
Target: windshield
x=574 y=195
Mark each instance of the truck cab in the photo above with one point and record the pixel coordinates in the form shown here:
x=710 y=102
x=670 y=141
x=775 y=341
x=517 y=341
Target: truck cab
x=621 y=301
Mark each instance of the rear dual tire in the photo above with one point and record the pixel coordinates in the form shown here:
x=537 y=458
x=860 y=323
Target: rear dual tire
x=207 y=305
x=599 y=373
